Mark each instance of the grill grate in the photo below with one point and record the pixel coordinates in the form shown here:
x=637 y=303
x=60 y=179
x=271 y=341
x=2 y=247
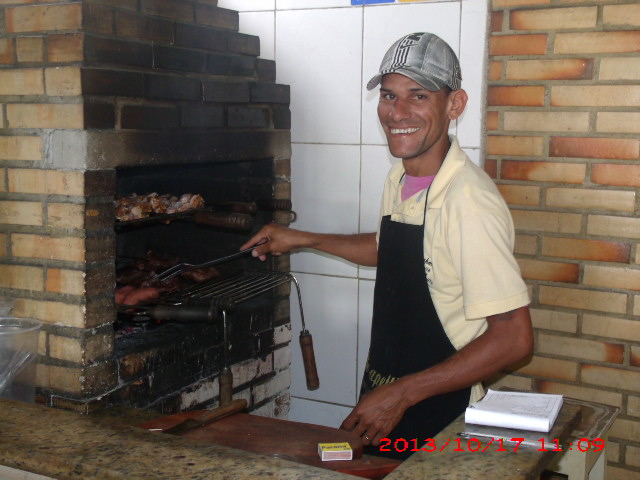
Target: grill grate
x=203 y=301
x=232 y=288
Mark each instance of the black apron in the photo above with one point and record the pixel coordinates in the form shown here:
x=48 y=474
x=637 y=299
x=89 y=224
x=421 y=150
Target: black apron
x=407 y=336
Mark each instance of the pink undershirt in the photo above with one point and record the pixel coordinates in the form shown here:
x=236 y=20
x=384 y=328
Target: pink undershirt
x=413 y=185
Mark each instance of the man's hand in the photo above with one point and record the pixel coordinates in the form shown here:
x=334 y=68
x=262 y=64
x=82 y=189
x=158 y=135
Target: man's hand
x=377 y=412
x=360 y=248
x=508 y=339
x=279 y=240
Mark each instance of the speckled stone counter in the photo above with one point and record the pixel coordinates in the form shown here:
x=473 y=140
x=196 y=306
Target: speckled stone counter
x=107 y=445
x=527 y=463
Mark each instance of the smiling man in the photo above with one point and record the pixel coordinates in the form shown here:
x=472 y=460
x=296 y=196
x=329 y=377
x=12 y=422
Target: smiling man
x=450 y=306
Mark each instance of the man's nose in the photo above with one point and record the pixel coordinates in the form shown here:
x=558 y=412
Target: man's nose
x=400 y=110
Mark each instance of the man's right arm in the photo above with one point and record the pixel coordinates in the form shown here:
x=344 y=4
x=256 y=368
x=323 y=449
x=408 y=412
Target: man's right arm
x=360 y=248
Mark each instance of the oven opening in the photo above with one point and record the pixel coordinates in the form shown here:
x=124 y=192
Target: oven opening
x=193 y=326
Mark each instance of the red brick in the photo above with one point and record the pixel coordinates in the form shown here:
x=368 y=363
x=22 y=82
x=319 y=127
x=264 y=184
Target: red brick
x=143 y=28
x=580 y=299
x=613 y=226
x=556 y=121
x=613 y=174
x=173 y=9
x=217 y=17
x=615 y=378
x=98 y=18
x=491 y=167
x=554 y=18
x=518 y=3
x=618 y=122
x=614 y=148
x=596 y=95
x=30 y=48
x=580 y=348
x=543 y=171
x=495 y=71
x=564 y=69
x=550 y=368
x=496 y=21
x=597 y=42
x=531 y=96
x=65 y=47
x=6 y=50
x=518 y=45
x=586 y=199
x=622 y=15
x=552 y=319
x=38 y=18
x=520 y=194
x=549 y=271
x=514 y=145
x=580 y=393
x=493 y=120
x=594 y=250
x=620 y=68
x=615 y=277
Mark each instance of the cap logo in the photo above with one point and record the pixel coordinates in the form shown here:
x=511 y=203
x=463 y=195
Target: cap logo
x=402 y=51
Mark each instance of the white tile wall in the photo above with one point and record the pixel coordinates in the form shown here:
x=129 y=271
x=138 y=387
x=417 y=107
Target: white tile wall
x=325 y=182
x=365 y=311
x=318 y=54
x=331 y=315
x=474 y=25
x=248 y=6
x=262 y=24
x=327 y=50
x=307 y=4
x=376 y=162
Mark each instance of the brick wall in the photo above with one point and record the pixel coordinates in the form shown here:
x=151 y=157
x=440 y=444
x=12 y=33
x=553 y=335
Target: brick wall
x=563 y=143
x=90 y=86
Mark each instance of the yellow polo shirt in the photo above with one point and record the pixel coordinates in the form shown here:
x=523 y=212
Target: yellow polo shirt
x=468 y=245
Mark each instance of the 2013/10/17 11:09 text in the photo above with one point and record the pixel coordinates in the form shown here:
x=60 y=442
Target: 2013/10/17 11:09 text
x=485 y=444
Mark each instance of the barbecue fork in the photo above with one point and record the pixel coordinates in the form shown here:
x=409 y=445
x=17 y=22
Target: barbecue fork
x=184 y=266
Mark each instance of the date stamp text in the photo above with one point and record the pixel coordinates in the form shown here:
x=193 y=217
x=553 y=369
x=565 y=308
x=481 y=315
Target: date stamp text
x=484 y=444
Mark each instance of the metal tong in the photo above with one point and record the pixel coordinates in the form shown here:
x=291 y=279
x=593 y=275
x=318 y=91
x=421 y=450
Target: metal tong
x=184 y=266
x=306 y=347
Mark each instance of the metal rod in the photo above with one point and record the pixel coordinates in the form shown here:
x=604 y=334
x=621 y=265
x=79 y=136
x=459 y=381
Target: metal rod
x=295 y=282
x=225 y=379
x=239 y=287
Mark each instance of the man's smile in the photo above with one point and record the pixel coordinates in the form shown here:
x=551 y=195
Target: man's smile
x=400 y=131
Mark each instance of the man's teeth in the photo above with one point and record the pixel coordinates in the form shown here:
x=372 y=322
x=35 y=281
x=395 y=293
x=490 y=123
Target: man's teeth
x=403 y=130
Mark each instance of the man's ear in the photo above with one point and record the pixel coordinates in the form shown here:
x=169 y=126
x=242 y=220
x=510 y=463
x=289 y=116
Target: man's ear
x=457 y=103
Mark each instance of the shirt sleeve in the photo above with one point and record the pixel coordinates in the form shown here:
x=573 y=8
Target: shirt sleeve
x=491 y=279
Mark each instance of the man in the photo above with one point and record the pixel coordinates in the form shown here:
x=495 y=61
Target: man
x=450 y=306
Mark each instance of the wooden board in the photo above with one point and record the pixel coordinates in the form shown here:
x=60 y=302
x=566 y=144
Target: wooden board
x=293 y=441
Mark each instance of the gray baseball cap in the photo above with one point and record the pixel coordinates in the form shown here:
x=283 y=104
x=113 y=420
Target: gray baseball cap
x=423 y=57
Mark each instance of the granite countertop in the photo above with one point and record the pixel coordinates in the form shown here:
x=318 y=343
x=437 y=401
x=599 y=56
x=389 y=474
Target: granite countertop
x=106 y=445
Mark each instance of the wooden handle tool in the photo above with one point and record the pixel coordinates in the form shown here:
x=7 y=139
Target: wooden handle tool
x=225 y=380
x=306 y=346
x=235 y=406
x=309 y=360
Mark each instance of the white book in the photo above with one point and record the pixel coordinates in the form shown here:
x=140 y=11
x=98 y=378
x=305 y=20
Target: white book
x=521 y=410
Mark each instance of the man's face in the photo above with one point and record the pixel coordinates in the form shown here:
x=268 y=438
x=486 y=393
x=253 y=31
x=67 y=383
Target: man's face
x=415 y=120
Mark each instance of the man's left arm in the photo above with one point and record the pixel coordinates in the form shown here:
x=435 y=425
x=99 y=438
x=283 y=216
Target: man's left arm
x=507 y=339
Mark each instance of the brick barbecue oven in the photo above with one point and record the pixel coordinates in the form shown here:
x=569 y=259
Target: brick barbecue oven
x=107 y=98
